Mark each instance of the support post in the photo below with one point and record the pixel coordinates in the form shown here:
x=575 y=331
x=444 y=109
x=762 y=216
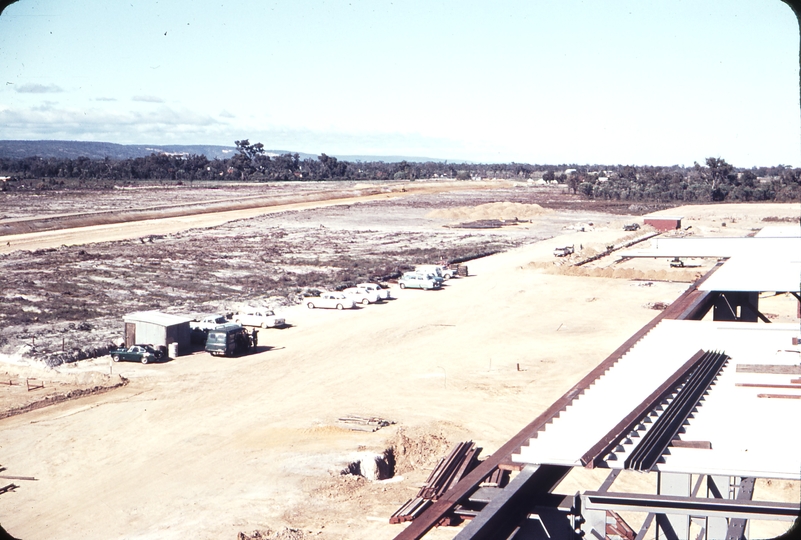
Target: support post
x=673 y=526
x=717 y=487
x=745 y=492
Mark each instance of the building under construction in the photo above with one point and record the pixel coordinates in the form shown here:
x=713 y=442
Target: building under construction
x=703 y=402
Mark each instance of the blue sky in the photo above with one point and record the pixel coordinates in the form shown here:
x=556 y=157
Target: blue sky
x=557 y=81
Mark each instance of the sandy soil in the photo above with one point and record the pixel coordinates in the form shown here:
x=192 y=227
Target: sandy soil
x=206 y=447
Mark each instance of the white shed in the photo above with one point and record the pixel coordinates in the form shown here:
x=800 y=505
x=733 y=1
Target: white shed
x=157 y=329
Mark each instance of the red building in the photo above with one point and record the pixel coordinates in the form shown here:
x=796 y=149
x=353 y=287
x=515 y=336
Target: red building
x=663 y=223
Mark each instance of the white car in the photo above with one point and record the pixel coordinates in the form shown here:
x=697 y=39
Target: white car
x=381 y=291
x=266 y=318
x=362 y=296
x=336 y=300
x=209 y=322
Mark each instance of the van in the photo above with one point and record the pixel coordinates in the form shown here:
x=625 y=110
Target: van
x=419 y=280
x=228 y=340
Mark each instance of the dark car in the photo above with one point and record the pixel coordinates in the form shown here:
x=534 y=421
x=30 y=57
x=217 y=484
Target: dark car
x=136 y=353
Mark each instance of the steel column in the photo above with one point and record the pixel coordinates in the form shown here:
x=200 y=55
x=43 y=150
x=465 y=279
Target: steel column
x=674 y=526
x=745 y=492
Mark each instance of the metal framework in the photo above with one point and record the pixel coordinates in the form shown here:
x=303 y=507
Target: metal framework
x=527 y=508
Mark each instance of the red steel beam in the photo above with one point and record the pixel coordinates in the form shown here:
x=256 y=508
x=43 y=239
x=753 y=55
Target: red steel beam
x=757 y=385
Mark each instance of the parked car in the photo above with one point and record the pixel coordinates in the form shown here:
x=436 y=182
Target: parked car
x=419 y=280
x=631 y=227
x=362 y=296
x=335 y=300
x=266 y=318
x=209 y=322
x=382 y=292
x=136 y=353
x=563 y=251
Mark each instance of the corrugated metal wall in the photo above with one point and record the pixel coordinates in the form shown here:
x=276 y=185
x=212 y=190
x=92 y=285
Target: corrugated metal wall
x=151 y=333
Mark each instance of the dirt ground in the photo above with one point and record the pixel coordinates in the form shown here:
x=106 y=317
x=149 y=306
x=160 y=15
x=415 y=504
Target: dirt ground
x=216 y=448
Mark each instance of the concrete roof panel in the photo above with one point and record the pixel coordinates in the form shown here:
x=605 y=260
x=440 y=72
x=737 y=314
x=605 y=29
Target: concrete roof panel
x=776 y=247
x=752 y=274
x=748 y=434
x=780 y=231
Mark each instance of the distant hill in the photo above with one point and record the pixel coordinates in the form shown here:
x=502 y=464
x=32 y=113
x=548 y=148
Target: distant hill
x=396 y=159
x=102 y=150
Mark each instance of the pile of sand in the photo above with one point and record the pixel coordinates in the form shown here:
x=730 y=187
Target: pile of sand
x=497 y=210
x=419 y=446
x=685 y=275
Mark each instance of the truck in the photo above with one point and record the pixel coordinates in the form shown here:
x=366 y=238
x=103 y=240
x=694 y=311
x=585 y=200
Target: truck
x=564 y=251
x=229 y=340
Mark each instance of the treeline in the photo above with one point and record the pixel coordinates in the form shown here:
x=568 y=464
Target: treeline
x=716 y=180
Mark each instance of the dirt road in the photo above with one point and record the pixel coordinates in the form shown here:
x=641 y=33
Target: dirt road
x=56 y=229
x=135 y=229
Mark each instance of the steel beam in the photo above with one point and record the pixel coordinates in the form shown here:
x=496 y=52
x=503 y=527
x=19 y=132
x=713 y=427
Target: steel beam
x=507 y=509
x=695 y=506
x=645 y=526
x=745 y=492
x=700 y=305
x=609 y=480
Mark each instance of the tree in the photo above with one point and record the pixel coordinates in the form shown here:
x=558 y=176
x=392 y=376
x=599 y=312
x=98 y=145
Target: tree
x=250 y=151
x=719 y=171
x=573 y=182
x=250 y=159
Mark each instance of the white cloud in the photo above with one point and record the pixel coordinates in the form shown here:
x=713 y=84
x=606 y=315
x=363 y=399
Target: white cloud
x=147 y=99
x=33 y=88
x=159 y=126
x=105 y=99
